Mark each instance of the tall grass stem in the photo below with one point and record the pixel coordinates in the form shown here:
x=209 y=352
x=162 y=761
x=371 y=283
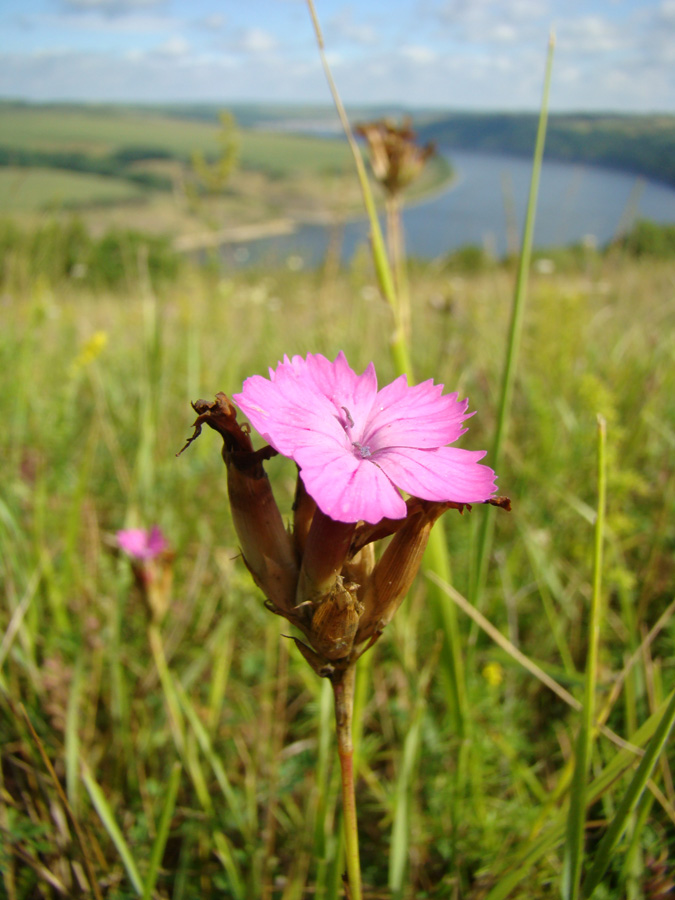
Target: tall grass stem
x=515 y=329
x=576 y=820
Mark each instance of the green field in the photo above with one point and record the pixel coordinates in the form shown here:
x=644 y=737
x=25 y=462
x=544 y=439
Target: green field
x=100 y=130
x=99 y=154
x=35 y=190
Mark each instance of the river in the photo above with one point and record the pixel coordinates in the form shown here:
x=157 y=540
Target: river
x=486 y=206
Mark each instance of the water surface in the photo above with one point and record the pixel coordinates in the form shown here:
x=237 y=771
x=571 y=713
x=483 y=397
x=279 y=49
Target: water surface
x=486 y=206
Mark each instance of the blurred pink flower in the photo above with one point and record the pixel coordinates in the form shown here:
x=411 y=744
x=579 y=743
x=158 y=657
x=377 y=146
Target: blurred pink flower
x=139 y=543
x=356 y=446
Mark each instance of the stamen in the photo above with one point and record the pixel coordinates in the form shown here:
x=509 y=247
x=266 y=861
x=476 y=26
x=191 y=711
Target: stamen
x=349 y=416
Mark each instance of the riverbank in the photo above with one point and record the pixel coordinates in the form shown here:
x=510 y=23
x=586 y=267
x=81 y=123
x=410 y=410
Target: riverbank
x=639 y=144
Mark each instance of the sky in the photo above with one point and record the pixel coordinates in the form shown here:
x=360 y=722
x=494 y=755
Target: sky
x=611 y=55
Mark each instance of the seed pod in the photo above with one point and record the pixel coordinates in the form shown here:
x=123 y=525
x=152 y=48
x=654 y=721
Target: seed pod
x=335 y=621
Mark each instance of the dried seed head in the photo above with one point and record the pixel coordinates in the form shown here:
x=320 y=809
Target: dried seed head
x=335 y=621
x=395 y=157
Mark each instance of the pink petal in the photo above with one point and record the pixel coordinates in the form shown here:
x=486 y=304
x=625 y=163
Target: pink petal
x=446 y=473
x=349 y=489
x=157 y=543
x=141 y=544
x=415 y=416
x=349 y=393
x=287 y=412
x=132 y=541
x=308 y=398
x=356 y=446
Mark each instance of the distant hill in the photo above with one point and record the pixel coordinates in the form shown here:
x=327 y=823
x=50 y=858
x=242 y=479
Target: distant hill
x=644 y=144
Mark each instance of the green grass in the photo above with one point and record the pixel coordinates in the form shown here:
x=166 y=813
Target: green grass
x=88 y=447
x=101 y=130
x=34 y=190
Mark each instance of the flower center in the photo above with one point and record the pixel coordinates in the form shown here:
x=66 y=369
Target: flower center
x=363 y=449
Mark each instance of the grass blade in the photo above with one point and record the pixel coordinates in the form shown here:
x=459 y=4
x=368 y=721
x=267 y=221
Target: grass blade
x=72 y=737
x=108 y=819
x=576 y=821
x=405 y=787
x=162 y=831
x=225 y=855
x=207 y=749
x=630 y=799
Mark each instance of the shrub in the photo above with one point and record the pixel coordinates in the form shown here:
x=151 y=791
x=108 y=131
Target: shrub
x=648 y=239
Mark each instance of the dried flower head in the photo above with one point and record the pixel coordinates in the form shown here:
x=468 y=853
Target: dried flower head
x=395 y=156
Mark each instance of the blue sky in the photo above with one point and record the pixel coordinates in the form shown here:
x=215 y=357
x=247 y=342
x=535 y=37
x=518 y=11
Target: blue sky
x=473 y=54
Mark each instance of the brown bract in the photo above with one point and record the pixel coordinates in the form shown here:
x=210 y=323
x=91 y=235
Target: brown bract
x=322 y=575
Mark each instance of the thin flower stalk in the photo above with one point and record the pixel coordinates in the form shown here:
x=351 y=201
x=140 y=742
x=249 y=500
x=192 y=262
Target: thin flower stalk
x=396 y=160
x=343 y=693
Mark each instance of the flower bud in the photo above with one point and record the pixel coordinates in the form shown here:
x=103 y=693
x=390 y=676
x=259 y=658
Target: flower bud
x=265 y=543
x=396 y=570
x=325 y=553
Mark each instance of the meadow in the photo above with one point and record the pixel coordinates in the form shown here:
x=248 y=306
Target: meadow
x=132 y=167
x=193 y=754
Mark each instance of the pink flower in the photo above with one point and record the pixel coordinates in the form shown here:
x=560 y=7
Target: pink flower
x=357 y=446
x=142 y=544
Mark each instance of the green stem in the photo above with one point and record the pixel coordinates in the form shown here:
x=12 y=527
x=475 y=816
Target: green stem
x=576 y=821
x=515 y=329
x=343 y=691
x=452 y=670
x=176 y=722
x=395 y=243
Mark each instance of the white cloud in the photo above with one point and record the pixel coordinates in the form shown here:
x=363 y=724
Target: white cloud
x=666 y=12
x=134 y=23
x=256 y=40
x=590 y=34
x=464 y=53
x=112 y=7
x=174 y=47
x=216 y=22
x=484 y=23
x=418 y=54
x=343 y=26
